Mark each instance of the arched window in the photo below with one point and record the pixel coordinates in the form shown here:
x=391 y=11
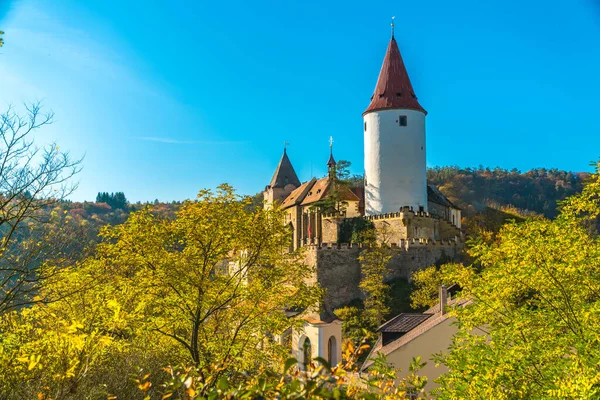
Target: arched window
x=332 y=351
x=304 y=352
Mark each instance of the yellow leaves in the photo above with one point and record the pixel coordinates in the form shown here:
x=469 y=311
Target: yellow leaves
x=32 y=361
x=74 y=327
x=145 y=386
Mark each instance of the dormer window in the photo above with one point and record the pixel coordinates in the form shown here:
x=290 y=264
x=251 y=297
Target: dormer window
x=403 y=120
x=399 y=94
x=381 y=95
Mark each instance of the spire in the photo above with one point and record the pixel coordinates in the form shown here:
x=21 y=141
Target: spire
x=331 y=163
x=284 y=174
x=393 y=89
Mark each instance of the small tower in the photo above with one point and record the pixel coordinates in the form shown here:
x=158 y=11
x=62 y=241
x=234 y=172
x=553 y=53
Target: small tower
x=331 y=164
x=284 y=181
x=394 y=129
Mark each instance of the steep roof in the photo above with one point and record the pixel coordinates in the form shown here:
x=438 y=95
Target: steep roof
x=284 y=174
x=435 y=196
x=298 y=194
x=404 y=322
x=320 y=190
x=331 y=162
x=393 y=89
x=429 y=320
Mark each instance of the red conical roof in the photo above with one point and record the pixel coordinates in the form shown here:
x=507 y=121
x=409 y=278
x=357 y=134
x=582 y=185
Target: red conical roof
x=393 y=90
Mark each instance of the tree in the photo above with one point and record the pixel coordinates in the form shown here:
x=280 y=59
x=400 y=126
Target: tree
x=530 y=327
x=373 y=262
x=208 y=288
x=360 y=321
x=339 y=184
x=1 y=39
x=114 y=200
x=32 y=179
x=217 y=276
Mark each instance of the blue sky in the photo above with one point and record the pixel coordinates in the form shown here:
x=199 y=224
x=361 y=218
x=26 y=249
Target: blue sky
x=166 y=98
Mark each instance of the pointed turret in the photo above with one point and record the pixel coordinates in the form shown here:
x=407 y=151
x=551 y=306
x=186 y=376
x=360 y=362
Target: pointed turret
x=393 y=89
x=331 y=162
x=283 y=183
x=284 y=174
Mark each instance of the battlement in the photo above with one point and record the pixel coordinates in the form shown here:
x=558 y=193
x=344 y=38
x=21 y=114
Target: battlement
x=340 y=214
x=404 y=211
x=405 y=245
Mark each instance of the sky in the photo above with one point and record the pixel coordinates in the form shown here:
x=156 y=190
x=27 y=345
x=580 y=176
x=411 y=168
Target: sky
x=163 y=99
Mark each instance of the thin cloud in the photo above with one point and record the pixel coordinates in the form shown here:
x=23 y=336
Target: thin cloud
x=176 y=141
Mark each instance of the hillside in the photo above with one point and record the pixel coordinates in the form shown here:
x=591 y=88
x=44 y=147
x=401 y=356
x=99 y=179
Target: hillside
x=538 y=190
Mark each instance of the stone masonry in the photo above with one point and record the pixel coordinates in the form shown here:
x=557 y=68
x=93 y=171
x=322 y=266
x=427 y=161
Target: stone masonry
x=339 y=272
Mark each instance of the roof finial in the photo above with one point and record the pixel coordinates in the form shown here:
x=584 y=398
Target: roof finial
x=393 y=26
x=331 y=143
x=285 y=145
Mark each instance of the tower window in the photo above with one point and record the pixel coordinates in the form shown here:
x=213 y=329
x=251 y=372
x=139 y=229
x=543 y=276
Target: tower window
x=381 y=95
x=403 y=121
x=399 y=94
x=365 y=126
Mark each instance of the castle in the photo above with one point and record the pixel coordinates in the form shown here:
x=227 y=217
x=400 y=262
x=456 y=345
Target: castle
x=422 y=227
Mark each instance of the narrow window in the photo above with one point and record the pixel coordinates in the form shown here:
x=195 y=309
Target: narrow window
x=399 y=94
x=365 y=126
x=403 y=120
x=421 y=209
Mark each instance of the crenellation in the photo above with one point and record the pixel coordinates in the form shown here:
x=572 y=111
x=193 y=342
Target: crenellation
x=338 y=270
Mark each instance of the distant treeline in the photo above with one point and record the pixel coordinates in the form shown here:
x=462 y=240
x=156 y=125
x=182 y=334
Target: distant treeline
x=538 y=190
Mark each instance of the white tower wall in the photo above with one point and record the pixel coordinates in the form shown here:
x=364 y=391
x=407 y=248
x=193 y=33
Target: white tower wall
x=395 y=166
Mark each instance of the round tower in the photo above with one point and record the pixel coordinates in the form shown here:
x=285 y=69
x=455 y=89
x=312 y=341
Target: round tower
x=394 y=129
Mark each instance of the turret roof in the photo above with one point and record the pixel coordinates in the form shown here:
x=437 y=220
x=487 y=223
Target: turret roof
x=393 y=89
x=284 y=174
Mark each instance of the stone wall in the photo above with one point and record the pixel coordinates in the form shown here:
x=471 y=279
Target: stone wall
x=330 y=229
x=338 y=270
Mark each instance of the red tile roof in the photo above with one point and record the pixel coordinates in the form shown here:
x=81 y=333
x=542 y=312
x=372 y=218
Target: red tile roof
x=393 y=89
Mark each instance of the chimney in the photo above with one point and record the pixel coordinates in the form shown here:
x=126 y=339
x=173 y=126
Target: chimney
x=443 y=299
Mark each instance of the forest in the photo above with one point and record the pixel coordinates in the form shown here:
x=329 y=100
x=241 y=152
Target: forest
x=111 y=300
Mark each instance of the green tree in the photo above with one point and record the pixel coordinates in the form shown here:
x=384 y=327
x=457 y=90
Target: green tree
x=373 y=262
x=529 y=329
x=339 y=185
x=114 y=200
x=208 y=288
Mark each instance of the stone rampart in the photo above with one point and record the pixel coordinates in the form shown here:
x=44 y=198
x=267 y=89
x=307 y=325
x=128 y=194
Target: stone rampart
x=339 y=272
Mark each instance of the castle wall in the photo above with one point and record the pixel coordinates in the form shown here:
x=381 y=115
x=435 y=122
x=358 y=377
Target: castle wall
x=339 y=273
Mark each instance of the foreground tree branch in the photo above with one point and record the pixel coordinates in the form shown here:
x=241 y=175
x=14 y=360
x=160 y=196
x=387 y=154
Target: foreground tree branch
x=32 y=180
